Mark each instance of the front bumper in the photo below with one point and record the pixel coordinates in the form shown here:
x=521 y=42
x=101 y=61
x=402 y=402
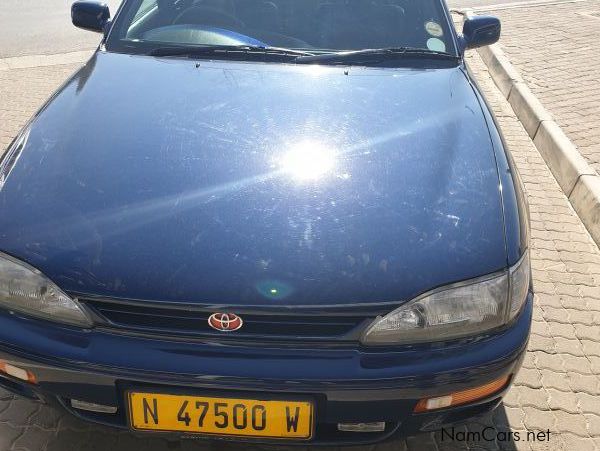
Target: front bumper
x=347 y=385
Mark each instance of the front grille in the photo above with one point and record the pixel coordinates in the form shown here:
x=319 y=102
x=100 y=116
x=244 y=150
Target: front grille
x=147 y=317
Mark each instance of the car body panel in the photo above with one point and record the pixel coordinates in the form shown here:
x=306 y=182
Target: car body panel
x=514 y=201
x=160 y=179
x=212 y=360
x=185 y=200
x=347 y=385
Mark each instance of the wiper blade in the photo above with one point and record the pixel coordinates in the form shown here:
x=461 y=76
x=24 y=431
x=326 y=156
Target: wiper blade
x=371 y=55
x=191 y=51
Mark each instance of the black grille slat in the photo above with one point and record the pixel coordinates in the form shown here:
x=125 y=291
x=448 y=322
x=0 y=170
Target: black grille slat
x=165 y=320
x=109 y=312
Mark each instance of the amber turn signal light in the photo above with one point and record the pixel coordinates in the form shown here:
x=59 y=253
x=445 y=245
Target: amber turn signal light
x=15 y=371
x=461 y=397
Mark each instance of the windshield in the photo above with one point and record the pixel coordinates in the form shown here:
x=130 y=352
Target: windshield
x=312 y=26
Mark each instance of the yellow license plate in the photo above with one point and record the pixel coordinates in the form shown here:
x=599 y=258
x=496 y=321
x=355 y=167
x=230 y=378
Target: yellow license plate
x=221 y=416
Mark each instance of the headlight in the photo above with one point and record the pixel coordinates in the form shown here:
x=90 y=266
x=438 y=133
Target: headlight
x=25 y=289
x=519 y=285
x=456 y=311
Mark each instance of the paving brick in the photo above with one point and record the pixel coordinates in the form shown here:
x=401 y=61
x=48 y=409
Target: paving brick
x=8 y=435
x=578 y=443
x=68 y=439
x=426 y=441
x=593 y=425
x=587 y=383
x=568 y=422
x=46 y=418
x=588 y=403
x=564 y=330
x=594 y=363
x=541 y=328
x=19 y=411
x=529 y=377
x=575 y=363
x=512 y=417
x=553 y=379
x=585 y=332
x=533 y=397
x=529 y=360
x=553 y=362
x=542 y=343
x=536 y=419
x=587 y=318
x=32 y=439
x=562 y=400
x=568 y=346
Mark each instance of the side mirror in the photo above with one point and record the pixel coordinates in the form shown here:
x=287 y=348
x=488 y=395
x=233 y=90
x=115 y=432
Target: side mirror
x=90 y=15
x=479 y=31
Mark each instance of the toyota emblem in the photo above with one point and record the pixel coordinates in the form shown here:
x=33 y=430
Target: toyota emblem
x=225 y=322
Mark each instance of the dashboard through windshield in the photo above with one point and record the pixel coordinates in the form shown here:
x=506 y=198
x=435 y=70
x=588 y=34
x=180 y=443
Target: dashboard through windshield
x=315 y=26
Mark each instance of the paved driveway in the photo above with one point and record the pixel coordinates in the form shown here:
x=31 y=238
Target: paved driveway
x=553 y=49
x=556 y=391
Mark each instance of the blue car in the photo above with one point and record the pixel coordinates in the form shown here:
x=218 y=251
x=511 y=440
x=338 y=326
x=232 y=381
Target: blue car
x=282 y=221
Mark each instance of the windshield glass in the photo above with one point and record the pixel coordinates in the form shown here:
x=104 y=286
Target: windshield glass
x=315 y=26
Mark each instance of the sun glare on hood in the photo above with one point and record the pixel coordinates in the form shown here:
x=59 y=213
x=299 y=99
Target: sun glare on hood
x=308 y=161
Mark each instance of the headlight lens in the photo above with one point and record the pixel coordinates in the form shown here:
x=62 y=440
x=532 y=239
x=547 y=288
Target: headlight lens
x=27 y=290
x=455 y=311
x=519 y=285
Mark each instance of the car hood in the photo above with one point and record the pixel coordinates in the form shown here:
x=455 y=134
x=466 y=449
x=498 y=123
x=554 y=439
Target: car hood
x=255 y=184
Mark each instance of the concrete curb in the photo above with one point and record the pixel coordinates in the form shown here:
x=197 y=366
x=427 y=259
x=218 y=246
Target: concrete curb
x=576 y=177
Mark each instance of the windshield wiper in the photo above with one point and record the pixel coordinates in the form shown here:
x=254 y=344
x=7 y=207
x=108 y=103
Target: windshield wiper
x=192 y=51
x=375 y=55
